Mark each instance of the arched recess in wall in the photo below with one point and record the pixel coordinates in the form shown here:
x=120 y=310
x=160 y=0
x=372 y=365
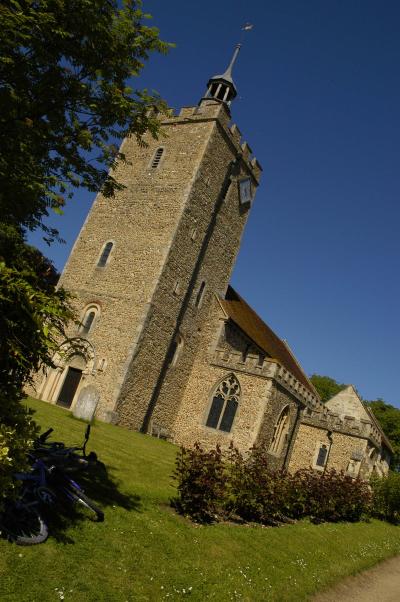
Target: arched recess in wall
x=89 y=317
x=373 y=457
x=73 y=361
x=372 y=454
x=176 y=349
x=224 y=404
x=281 y=432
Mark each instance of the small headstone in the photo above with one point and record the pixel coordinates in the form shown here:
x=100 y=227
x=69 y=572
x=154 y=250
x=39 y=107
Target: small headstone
x=111 y=417
x=86 y=404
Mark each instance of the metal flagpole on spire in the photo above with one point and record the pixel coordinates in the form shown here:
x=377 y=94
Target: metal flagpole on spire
x=221 y=87
x=246 y=27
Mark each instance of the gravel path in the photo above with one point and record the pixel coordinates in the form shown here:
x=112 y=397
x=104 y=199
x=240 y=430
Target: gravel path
x=379 y=584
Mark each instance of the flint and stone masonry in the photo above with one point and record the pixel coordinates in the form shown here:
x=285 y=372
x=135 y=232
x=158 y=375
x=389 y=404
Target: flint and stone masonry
x=162 y=337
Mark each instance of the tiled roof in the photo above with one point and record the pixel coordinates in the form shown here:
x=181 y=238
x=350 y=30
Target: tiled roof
x=253 y=326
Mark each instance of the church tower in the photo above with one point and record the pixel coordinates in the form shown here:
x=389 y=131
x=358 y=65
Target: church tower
x=148 y=262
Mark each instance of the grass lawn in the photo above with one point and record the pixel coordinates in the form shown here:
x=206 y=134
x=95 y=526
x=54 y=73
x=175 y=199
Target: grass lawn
x=144 y=551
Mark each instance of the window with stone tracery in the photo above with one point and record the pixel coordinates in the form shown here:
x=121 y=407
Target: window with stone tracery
x=224 y=404
x=281 y=432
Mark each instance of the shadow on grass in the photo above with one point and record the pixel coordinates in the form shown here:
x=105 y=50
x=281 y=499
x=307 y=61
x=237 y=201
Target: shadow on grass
x=101 y=488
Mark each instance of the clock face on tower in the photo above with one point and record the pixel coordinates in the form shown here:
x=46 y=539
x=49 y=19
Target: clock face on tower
x=245 y=191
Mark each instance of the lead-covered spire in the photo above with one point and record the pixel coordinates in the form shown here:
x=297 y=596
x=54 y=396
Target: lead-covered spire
x=222 y=87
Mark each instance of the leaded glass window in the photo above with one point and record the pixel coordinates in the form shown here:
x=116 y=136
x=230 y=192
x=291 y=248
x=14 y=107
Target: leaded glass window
x=224 y=404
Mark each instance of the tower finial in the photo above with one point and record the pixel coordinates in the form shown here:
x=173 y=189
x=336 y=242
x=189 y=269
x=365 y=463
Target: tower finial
x=222 y=87
x=228 y=72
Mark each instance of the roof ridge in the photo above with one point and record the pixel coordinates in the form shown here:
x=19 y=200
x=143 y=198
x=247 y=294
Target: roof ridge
x=284 y=341
x=247 y=319
x=255 y=314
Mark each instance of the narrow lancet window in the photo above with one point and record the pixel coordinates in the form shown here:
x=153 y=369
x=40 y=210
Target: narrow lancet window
x=322 y=456
x=87 y=325
x=90 y=315
x=200 y=293
x=105 y=255
x=280 y=432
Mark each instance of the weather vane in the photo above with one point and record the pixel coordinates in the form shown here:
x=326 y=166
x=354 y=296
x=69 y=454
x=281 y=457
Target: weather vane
x=246 y=27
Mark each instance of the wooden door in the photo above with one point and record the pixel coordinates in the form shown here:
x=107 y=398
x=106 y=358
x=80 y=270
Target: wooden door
x=69 y=387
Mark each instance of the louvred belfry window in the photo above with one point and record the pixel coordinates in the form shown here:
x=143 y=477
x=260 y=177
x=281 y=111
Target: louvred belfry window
x=157 y=158
x=224 y=404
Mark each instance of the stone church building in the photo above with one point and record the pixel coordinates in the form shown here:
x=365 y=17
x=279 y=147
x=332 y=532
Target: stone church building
x=164 y=344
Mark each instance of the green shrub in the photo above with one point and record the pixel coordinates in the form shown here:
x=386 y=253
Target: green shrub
x=331 y=496
x=213 y=486
x=201 y=478
x=254 y=491
x=17 y=431
x=386 y=497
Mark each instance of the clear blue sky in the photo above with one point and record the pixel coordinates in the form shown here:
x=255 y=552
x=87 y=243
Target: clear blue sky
x=318 y=102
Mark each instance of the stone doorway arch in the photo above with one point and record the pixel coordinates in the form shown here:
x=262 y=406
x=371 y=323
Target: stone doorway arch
x=73 y=362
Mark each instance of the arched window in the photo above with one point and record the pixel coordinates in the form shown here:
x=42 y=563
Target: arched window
x=90 y=315
x=280 y=432
x=157 y=158
x=105 y=254
x=176 y=349
x=224 y=404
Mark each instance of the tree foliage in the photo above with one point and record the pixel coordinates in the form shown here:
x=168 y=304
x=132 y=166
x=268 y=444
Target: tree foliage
x=387 y=497
x=65 y=70
x=327 y=387
x=32 y=318
x=389 y=419
x=65 y=99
